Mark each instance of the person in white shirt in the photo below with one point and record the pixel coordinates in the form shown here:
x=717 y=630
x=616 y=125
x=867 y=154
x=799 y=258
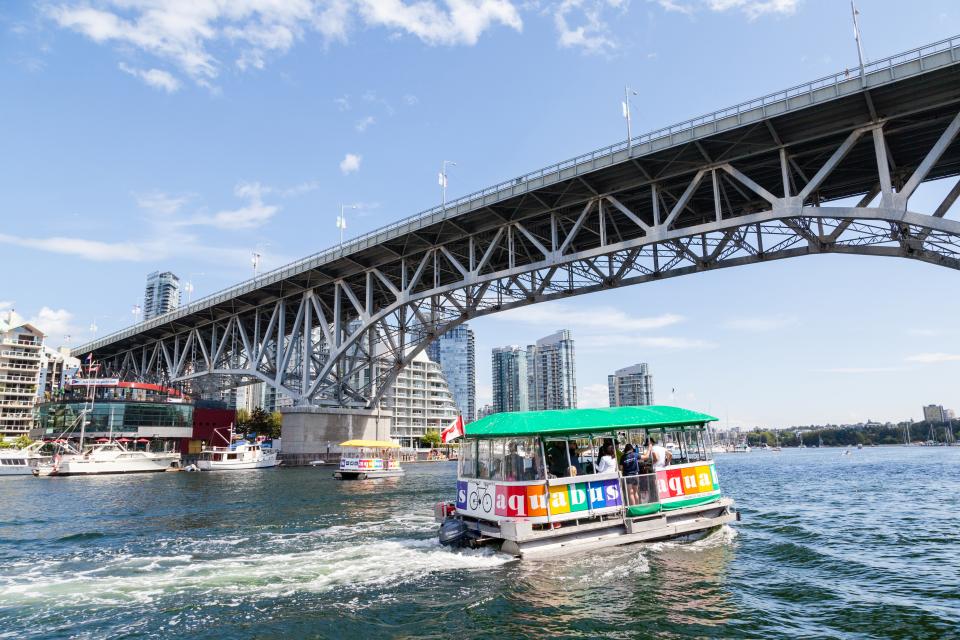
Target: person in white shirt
x=657 y=454
x=608 y=459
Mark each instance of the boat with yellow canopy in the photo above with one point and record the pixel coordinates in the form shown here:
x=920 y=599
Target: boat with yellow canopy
x=543 y=483
x=368 y=459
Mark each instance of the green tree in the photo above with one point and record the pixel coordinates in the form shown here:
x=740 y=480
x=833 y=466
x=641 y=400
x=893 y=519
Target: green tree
x=22 y=442
x=431 y=439
x=241 y=421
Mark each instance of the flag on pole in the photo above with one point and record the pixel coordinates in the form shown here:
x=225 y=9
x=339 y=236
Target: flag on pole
x=453 y=431
x=442 y=179
x=341 y=222
x=623 y=105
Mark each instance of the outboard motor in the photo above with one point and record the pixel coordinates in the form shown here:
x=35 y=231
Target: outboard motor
x=454 y=533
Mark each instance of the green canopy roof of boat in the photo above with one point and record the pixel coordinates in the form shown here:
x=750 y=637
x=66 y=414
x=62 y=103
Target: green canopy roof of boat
x=570 y=421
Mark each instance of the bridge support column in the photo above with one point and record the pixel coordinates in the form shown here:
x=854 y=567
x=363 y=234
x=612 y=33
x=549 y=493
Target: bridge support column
x=308 y=433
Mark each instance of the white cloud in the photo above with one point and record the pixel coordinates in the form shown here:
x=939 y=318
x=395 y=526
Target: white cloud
x=930 y=358
x=410 y=100
x=592 y=34
x=254 y=214
x=593 y=395
x=465 y=21
x=184 y=33
x=753 y=9
x=161 y=203
x=859 y=370
x=343 y=103
x=87 y=249
x=364 y=123
x=603 y=318
x=300 y=189
x=53 y=322
x=156 y=78
x=350 y=163
x=760 y=323
x=5 y=304
x=923 y=333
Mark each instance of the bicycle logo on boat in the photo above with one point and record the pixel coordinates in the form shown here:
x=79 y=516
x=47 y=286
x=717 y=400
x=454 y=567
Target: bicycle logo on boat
x=481 y=497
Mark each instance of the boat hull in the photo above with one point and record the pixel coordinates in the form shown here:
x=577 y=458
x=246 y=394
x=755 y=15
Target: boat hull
x=689 y=522
x=90 y=468
x=237 y=465
x=343 y=474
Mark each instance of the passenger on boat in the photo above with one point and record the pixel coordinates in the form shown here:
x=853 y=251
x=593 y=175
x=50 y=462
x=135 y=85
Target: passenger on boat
x=514 y=470
x=659 y=455
x=575 y=467
x=556 y=461
x=630 y=464
x=608 y=459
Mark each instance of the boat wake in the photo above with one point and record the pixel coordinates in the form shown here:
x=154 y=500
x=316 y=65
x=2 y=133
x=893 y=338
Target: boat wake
x=361 y=556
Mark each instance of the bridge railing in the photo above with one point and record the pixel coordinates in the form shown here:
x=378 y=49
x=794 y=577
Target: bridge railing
x=589 y=159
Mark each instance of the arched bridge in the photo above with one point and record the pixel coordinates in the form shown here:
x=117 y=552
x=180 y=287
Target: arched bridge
x=826 y=167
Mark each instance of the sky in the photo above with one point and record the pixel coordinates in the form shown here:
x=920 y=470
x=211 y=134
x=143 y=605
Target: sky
x=184 y=135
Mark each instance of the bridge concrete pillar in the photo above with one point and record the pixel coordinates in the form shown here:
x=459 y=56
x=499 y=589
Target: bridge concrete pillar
x=308 y=432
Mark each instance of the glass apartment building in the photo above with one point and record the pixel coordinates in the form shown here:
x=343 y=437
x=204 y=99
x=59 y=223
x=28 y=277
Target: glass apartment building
x=455 y=352
x=631 y=386
x=552 y=372
x=510 y=386
x=161 y=295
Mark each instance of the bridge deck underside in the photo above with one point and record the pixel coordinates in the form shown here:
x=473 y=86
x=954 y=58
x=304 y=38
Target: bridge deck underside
x=678 y=210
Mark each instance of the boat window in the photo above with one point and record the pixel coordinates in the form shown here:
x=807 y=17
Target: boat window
x=558 y=457
x=483 y=460
x=497 y=453
x=468 y=459
x=231 y=456
x=521 y=460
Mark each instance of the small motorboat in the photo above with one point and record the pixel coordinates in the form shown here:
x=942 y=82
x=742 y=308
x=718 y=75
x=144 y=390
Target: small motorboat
x=317 y=463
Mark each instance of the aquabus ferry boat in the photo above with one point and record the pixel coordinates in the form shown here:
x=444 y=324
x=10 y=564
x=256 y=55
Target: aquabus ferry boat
x=543 y=483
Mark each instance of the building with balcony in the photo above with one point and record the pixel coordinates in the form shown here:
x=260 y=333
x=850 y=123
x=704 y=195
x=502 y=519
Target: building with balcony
x=631 y=386
x=552 y=373
x=161 y=295
x=510 y=384
x=455 y=352
x=21 y=357
x=420 y=401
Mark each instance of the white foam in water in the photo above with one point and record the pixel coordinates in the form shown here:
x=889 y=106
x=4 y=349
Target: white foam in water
x=142 y=579
x=720 y=538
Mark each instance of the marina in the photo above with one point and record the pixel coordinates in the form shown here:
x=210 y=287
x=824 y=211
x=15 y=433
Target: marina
x=164 y=554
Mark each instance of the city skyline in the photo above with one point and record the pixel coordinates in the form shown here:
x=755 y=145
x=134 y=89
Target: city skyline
x=191 y=187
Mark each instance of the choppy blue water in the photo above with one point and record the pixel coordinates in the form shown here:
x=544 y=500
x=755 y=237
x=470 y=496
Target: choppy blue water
x=859 y=546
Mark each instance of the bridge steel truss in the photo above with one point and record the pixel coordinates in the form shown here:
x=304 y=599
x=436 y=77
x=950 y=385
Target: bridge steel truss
x=837 y=178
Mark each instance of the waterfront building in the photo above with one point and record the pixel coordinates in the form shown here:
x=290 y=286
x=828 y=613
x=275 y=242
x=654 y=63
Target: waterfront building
x=132 y=410
x=510 y=385
x=161 y=295
x=420 y=401
x=455 y=352
x=21 y=347
x=631 y=386
x=552 y=373
x=484 y=411
x=934 y=413
x=57 y=366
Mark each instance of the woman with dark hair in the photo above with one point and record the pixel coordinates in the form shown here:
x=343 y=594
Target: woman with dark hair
x=608 y=459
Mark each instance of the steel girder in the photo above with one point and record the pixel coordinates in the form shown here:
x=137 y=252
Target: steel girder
x=343 y=340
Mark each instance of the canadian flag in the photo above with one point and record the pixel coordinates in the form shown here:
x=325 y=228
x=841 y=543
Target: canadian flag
x=452 y=432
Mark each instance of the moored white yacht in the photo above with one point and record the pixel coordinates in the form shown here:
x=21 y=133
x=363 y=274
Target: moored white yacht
x=109 y=457
x=21 y=462
x=237 y=455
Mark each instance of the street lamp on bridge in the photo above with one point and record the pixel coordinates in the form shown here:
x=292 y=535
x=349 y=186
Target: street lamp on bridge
x=443 y=181
x=342 y=219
